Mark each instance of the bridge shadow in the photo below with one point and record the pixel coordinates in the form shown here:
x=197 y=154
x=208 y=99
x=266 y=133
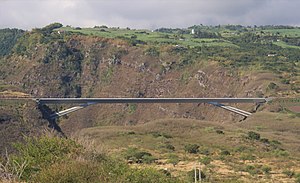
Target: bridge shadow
x=46 y=114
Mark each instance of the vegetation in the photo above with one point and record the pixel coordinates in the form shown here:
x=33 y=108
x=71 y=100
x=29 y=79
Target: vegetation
x=191 y=148
x=54 y=159
x=137 y=156
x=253 y=135
x=8 y=39
x=173 y=159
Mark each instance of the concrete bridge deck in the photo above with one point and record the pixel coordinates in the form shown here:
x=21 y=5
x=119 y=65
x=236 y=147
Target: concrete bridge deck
x=147 y=100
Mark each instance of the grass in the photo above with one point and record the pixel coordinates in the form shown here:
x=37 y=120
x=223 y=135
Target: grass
x=53 y=159
x=152 y=37
x=203 y=133
x=283 y=32
x=284 y=45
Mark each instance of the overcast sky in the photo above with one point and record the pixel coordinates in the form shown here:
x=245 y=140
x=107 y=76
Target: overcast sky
x=150 y=14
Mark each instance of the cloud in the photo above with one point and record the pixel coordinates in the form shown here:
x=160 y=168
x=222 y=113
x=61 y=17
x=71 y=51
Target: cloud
x=29 y=14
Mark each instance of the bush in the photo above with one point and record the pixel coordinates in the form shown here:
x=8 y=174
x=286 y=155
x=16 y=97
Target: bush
x=253 y=135
x=40 y=152
x=289 y=173
x=252 y=170
x=138 y=156
x=219 y=131
x=191 y=148
x=266 y=169
x=280 y=153
x=204 y=151
x=71 y=172
x=272 y=86
x=205 y=160
x=152 y=51
x=173 y=159
x=170 y=147
x=225 y=153
x=148 y=158
x=275 y=144
x=53 y=159
x=158 y=134
x=265 y=140
x=105 y=171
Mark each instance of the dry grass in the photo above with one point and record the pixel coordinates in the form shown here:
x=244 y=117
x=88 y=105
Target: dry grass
x=273 y=126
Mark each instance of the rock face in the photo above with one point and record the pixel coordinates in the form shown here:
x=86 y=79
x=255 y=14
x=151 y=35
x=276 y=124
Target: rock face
x=83 y=66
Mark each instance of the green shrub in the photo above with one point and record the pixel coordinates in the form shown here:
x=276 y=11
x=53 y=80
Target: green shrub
x=204 y=151
x=280 y=153
x=132 y=108
x=265 y=140
x=170 y=147
x=253 y=135
x=225 y=153
x=53 y=159
x=289 y=173
x=173 y=159
x=158 y=134
x=219 y=131
x=138 y=156
x=152 y=51
x=167 y=147
x=205 y=160
x=131 y=133
x=73 y=171
x=272 y=86
x=191 y=148
x=252 y=170
x=275 y=144
x=241 y=149
x=266 y=169
x=106 y=171
x=148 y=158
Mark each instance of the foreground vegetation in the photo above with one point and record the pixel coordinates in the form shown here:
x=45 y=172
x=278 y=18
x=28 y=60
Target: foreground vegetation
x=53 y=159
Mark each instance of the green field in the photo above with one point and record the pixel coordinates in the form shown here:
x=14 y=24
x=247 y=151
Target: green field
x=282 y=32
x=152 y=37
x=284 y=45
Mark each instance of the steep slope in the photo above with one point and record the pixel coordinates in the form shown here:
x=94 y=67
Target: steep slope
x=48 y=63
x=86 y=66
x=18 y=119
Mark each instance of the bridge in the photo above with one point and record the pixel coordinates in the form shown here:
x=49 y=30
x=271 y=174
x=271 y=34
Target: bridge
x=81 y=103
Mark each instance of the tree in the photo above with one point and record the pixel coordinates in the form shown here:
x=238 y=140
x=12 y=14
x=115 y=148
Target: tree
x=49 y=28
x=8 y=38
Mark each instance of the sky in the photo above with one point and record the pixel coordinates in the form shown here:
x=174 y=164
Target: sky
x=147 y=14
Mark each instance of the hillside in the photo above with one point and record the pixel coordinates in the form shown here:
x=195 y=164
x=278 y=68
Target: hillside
x=199 y=61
